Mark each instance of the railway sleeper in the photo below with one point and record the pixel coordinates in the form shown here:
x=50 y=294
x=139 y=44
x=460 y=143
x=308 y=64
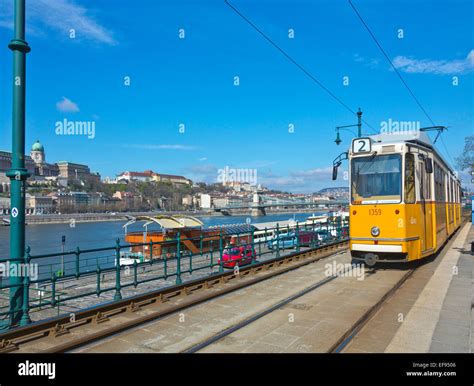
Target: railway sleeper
x=7 y=345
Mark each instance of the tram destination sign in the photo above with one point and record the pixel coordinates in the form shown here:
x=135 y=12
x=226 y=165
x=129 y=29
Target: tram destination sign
x=361 y=145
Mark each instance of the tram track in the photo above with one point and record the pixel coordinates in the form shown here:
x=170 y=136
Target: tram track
x=65 y=333
x=259 y=315
x=341 y=342
x=345 y=338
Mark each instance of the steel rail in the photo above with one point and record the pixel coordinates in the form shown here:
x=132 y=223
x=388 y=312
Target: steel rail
x=261 y=314
x=57 y=326
x=349 y=335
x=342 y=342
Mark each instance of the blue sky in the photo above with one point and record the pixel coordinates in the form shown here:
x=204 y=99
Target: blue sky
x=190 y=81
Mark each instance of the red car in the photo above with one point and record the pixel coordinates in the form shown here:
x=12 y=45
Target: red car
x=237 y=255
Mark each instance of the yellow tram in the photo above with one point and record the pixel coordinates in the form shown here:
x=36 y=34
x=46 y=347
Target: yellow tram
x=405 y=199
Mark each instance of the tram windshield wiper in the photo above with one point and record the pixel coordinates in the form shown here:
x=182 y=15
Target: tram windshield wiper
x=366 y=165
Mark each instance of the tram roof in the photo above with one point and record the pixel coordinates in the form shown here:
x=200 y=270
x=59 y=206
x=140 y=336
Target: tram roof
x=418 y=138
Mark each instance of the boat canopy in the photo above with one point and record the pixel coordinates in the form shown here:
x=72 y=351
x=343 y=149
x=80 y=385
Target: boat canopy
x=167 y=222
x=231 y=229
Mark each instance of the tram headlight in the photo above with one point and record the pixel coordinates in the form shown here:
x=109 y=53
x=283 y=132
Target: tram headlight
x=375 y=231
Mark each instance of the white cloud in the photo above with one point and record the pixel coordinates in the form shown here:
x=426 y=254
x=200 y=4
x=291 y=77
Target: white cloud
x=428 y=66
x=369 y=62
x=301 y=181
x=203 y=173
x=314 y=174
x=67 y=106
x=59 y=15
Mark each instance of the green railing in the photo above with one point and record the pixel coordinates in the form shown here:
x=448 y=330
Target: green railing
x=78 y=279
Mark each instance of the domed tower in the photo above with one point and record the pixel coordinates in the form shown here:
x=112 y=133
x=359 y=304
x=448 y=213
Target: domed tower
x=37 y=153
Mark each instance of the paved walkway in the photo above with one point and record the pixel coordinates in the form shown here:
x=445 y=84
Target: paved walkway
x=454 y=331
x=440 y=319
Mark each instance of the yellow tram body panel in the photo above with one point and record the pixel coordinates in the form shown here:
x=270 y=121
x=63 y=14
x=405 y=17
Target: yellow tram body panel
x=400 y=229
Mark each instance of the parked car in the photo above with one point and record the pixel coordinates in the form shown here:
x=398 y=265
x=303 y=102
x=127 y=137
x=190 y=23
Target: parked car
x=325 y=235
x=308 y=238
x=284 y=241
x=237 y=255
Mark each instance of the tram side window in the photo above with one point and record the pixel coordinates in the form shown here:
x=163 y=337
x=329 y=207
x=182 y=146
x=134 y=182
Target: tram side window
x=453 y=190
x=409 y=178
x=445 y=186
x=439 y=184
x=426 y=186
x=450 y=198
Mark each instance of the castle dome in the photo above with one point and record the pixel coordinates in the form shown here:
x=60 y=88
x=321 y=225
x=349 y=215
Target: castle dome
x=37 y=146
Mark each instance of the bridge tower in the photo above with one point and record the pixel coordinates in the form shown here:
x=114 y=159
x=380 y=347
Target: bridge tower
x=258 y=209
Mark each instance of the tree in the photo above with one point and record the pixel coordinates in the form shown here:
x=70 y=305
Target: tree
x=466 y=159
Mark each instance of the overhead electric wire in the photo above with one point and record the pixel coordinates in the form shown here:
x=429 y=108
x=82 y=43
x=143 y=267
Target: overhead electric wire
x=447 y=151
x=397 y=72
x=306 y=72
x=390 y=61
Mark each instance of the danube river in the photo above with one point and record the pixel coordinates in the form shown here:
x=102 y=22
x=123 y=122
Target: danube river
x=46 y=238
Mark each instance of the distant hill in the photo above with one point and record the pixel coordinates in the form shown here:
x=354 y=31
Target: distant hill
x=336 y=189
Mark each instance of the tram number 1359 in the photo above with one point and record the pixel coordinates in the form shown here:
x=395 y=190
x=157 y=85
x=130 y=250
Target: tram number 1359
x=375 y=212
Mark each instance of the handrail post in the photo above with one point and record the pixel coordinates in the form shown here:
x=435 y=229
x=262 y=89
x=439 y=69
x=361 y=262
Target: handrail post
x=53 y=289
x=253 y=246
x=221 y=252
x=278 y=240
x=135 y=276
x=77 y=253
x=297 y=232
x=25 y=317
x=165 y=265
x=118 y=295
x=211 y=255
x=339 y=227
x=200 y=243
x=98 y=281
x=178 y=259
x=266 y=240
x=191 y=261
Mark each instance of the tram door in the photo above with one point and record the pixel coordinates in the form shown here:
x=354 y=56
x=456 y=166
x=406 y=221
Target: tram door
x=425 y=201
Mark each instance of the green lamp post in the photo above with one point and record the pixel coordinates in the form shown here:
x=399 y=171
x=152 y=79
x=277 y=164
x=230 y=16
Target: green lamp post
x=359 y=128
x=18 y=173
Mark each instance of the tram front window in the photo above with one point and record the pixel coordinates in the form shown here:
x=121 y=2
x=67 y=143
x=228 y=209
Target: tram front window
x=376 y=179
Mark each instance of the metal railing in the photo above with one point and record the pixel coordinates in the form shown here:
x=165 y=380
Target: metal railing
x=79 y=278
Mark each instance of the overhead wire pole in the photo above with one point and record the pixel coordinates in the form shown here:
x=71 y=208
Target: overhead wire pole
x=18 y=173
x=284 y=53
